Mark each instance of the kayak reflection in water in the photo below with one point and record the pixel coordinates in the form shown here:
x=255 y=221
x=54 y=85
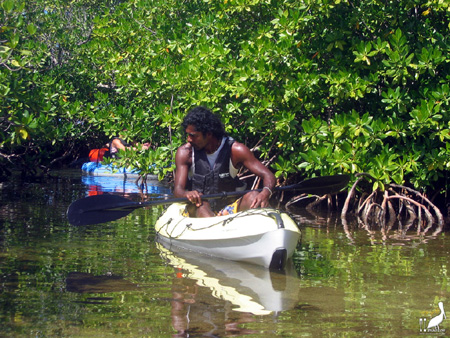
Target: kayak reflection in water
x=209 y=163
x=193 y=314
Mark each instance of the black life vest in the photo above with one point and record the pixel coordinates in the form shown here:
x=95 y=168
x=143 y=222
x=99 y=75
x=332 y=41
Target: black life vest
x=217 y=179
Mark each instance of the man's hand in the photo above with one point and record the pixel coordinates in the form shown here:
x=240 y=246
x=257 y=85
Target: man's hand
x=261 y=200
x=194 y=197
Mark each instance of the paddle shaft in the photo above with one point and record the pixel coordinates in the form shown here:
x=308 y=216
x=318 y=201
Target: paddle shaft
x=105 y=208
x=130 y=205
x=136 y=205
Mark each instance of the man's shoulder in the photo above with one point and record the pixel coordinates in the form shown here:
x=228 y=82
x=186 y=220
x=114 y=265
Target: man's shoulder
x=240 y=153
x=186 y=146
x=237 y=146
x=185 y=151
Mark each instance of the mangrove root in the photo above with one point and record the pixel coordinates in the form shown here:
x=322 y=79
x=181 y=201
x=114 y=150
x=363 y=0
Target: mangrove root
x=378 y=206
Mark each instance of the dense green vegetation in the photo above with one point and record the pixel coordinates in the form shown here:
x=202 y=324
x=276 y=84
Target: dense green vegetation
x=318 y=87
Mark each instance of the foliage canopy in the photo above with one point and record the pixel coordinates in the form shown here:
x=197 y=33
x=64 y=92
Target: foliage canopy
x=318 y=87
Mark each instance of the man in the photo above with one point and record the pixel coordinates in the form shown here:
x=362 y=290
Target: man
x=118 y=143
x=209 y=163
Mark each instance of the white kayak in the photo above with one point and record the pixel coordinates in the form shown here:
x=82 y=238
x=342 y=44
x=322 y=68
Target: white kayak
x=265 y=236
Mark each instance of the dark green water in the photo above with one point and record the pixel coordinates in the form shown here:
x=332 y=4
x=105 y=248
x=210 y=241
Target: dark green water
x=112 y=279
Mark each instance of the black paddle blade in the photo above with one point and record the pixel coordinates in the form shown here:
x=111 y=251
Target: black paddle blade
x=323 y=184
x=92 y=210
x=319 y=185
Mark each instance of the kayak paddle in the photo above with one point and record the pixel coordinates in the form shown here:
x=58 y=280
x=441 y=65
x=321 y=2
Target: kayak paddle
x=104 y=208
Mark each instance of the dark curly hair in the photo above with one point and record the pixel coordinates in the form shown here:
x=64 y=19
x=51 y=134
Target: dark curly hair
x=204 y=121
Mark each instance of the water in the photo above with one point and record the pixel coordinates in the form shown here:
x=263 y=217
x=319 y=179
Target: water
x=113 y=279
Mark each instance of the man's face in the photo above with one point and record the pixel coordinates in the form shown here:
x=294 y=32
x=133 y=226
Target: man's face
x=196 y=138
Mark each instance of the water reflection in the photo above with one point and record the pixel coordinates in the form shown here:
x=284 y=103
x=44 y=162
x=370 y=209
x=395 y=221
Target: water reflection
x=98 y=185
x=353 y=280
x=247 y=290
x=393 y=232
x=248 y=287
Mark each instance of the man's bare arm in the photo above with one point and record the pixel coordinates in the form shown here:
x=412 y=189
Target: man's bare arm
x=183 y=159
x=241 y=155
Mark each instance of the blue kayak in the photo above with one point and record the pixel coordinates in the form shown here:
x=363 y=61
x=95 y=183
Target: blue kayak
x=112 y=184
x=99 y=169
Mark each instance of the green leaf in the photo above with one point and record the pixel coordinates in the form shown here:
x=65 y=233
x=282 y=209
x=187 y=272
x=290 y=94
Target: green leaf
x=31 y=28
x=4 y=49
x=8 y=5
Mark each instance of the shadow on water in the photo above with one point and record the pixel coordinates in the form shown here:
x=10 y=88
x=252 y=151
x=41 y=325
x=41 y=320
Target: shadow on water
x=113 y=279
x=82 y=282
